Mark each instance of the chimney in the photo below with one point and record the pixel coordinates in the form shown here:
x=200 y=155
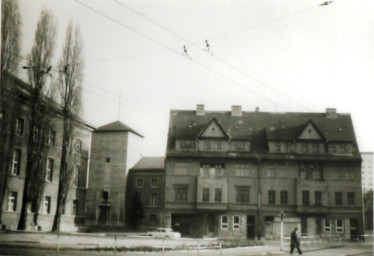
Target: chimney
x=257 y=109
x=236 y=110
x=200 y=110
x=331 y=113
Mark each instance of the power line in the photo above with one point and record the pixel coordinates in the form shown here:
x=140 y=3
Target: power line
x=214 y=56
x=172 y=49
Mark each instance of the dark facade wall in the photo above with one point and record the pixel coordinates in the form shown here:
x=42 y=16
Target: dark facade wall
x=153 y=213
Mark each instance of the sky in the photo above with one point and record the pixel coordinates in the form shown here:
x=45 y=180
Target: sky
x=280 y=56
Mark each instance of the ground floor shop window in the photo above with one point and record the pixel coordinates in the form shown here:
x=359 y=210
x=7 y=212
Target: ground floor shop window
x=224 y=222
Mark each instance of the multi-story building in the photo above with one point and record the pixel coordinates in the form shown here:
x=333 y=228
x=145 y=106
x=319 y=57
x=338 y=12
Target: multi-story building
x=74 y=210
x=147 y=179
x=232 y=173
x=115 y=148
x=367 y=171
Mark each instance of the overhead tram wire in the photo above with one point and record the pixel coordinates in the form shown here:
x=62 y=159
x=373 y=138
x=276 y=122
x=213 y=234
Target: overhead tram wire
x=220 y=59
x=175 y=51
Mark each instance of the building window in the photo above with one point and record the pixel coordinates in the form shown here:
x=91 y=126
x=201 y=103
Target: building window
x=305 y=197
x=332 y=148
x=139 y=183
x=287 y=147
x=12 y=202
x=351 y=198
x=74 y=207
x=207 y=145
x=316 y=175
x=338 y=198
x=224 y=222
x=76 y=175
x=47 y=205
x=49 y=173
x=327 y=225
x=52 y=138
x=271 y=171
x=242 y=194
x=107 y=159
x=104 y=196
x=302 y=174
x=318 y=198
x=36 y=132
x=343 y=148
x=236 y=222
x=181 y=193
x=181 y=168
x=218 y=145
x=16 y=165
x=271 y=197
x=243 y=170
x=284 y=197
x=20 y=126
x=349 y=175
x=154 y=183
x=277 y=147
x=153 y=199
x=187 y=144
x=339 y=226
x=304 y=148
x=78 y=146
x=217 y=195
x=205 y=195
x=315 y=148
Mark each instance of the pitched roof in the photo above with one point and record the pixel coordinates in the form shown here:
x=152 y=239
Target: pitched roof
x=117 y=126
x=150 y=163
x=252 y=125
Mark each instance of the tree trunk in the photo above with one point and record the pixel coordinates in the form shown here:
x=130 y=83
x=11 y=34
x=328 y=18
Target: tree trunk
x=23 y=216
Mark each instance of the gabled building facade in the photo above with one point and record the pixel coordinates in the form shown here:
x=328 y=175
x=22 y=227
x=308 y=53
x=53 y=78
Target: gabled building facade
x=231 y=174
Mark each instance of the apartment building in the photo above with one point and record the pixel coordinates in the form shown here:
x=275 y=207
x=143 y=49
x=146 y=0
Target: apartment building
x=233 y=173
x=74 y=210
x=147 y=179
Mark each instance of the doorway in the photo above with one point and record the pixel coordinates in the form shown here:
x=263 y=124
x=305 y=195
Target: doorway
x=250 y=226
x=104 y=214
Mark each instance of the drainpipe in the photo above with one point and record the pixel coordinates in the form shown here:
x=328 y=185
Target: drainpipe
x=259 y=220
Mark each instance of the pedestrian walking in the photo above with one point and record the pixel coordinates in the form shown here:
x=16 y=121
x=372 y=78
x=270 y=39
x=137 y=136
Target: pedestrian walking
x=295 y=242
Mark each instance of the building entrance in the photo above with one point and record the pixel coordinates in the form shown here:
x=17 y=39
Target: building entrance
x=104 y=211
x=353 y=228
x=250 y=226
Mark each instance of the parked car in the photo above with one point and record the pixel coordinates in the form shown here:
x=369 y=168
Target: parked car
x=164 y=233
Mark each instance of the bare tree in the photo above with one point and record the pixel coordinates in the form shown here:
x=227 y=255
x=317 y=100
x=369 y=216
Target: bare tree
x=10 y=48
x=70 y=93
x=10 y=35
x=39 y=66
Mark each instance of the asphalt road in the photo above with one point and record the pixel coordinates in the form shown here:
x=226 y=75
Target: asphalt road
x=348 y=250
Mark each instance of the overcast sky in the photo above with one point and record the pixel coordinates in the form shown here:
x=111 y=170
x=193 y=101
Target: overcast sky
x=288 y=55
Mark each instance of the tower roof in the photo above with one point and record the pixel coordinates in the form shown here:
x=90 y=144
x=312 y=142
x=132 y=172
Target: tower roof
x=117 y=126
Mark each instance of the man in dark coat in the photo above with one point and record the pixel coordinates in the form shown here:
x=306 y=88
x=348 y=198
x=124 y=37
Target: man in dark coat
x=295 y=242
